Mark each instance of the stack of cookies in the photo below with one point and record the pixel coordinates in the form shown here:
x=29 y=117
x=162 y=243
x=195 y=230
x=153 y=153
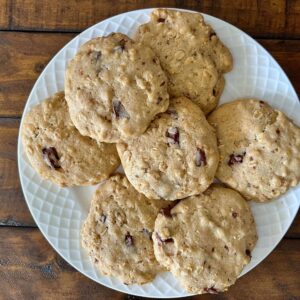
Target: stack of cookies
x=150 y=102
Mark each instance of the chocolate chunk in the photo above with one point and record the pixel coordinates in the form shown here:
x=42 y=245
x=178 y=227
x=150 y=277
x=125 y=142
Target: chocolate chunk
x=51 y=157
x=163 y=83
x=226 y=247
x=129 y=240
x=248 y=253
x=277 y=131
x=261 y=102
x=236 y=159
x=102 y=218
x=161 y=20
x=234 y=214
x=119 y=110
x=147 y=233
x=168 y=240
x=200 y=158
x=173 y=135
x=211 y=290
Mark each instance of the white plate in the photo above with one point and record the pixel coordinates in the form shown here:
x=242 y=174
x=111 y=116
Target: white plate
x=59 y=212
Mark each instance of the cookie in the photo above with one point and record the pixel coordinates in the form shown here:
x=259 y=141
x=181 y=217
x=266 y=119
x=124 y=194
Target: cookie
x=259 y=149
x=117 y=232
x=206 y=240
x=176 y=157
x=58 y=152
x=114 y=88
x=191 y=54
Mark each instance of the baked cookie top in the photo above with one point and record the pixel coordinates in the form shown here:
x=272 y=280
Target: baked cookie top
x=176 y=157
x=117 y=232
x=58 y=152
x=259 y=149
x=206 y=240
x=191 y=54
x=114 y=88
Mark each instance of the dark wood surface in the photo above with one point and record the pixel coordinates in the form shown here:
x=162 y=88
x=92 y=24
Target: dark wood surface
x=31 y=32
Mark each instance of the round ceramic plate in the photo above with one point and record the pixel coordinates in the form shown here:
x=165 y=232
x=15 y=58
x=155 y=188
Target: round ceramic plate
x=59 y=212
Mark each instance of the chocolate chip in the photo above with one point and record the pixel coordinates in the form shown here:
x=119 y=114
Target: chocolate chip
x=163 y=83
x=102 y=218
x=211 y=290
x=173 y=135
x=51 y=157
x=248 y=253
x=129 y=240
x=200 y=158
x=226 y=247
x=277 y=131
x=159 y=99
x=147 y=233
x=213 y=249
x=168 y=240
x=119 y=110
x=261 y=102
x=161 y=20
x=236 y=159
x=234 y=214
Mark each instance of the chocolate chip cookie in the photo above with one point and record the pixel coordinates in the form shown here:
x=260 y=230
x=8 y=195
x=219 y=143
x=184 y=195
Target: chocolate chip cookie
x=176 y=157
x=259 y=149
x=58 y=152
x=206 y=240
x=191 y=54
x=114 y=88
x=118 y=231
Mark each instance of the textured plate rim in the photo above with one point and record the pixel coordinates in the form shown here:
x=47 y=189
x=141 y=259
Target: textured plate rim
x=19 y=147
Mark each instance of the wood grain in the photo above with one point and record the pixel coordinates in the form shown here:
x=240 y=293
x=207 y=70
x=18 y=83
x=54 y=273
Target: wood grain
x=4 y=14
x=24 y=55
x=267 y=18
x=27 y=260
x=14 y=211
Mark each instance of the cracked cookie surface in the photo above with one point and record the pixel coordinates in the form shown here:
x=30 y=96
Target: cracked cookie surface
x=206 y=240
x=117 y=232
x=114 y=88
x=176 y=157
x=259 y=149
x=191 y=54
x=58 y=152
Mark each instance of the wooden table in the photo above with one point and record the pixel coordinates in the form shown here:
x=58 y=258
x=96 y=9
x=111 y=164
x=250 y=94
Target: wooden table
x=32 y=31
